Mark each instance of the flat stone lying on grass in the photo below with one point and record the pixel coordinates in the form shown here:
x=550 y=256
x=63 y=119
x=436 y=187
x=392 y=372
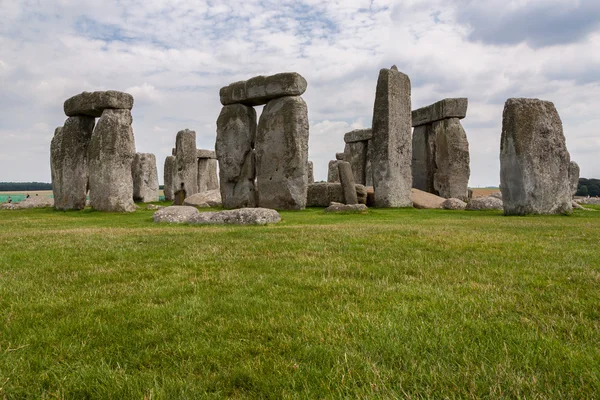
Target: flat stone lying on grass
x=32 y=202
x=175 y=214
x=484 y=203
x=93 y=104
x=209 y=198
x=454 y=204
x=321 y=194
x=346 y=208
x=241 y=216
x=426 y=200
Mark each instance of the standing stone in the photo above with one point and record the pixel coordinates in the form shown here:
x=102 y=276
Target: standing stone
x=236 y=133
x=340 y=156
x=451 y=178
x=311 y=173
x=69 y=163
x=423 y=158
x=110 y=155
x=534 y=161
x=169 y=175
x=145 y=178
x=347 y=180
x=186 y=176
x=391 y=142
x=282 y=154
x=207 y=174
x=356 y=155
x=574 y=177
x=333 y=174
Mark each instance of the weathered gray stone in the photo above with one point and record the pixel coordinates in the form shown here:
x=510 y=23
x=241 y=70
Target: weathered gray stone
x=175 y=214
x=423 y=158
x=236 y=133
x=173 y=151
x=358 y=135
x=346 y=208
x=169 y=177
x=356 y=155
x=262 y=89
x=110 y=155
x=321 y=194
x=484 y=203
x=242 y=216
x=454 y=204
x=93 y=104
x=333 y=173
x=311 y=172
x=451 y=178
x=69 y=163
x=340 y=156
x=145 y=178
x=201 y=153
x=444 y=109
x=186 y=176
x=32 y=202
x=282 y=154
x=347 y=181
x=426 y=200
x=534 y=161
x=391 y=141
x=154 y=207
x=574 y=177
x=207 y=174
x=209 y=198
x=497 y=195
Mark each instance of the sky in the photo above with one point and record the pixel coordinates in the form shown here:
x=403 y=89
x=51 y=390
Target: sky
x=173 y=57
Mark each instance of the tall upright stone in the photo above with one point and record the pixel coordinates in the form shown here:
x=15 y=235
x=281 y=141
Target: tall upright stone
x=207 y=171
x=236 y=133
x=451 y=178
x=169 y=176
x=391 y=142
x=145 y=177
x=534 y=161
x=423 y=158
x=282 y=154
x=110 y=155
x=311 y=172
x=186 y=177
x=348 y=184
x=69 y=162
x=333 y=173
x=574 y=177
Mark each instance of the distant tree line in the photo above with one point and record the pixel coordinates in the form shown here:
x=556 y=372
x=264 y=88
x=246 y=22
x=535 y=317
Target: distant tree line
x=588 y=187
x=24 y=186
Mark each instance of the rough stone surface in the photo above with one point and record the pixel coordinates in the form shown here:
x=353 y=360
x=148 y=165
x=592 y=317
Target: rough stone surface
x=423 y=158
x=574 y=177
x=210 y=198
x=169 y=177
x=391 y=143
x=311 y=172
x=426 y=200
x=201 y=153
x=346 y=208
x=534 y=161
x=154 y=207
x=370 y=196
x=454 y=204
x=175 y=214
x=333 y=173
x=110 y=155
x=443 y=109
x=207 y=174
x=32 y=202
x=340 y=156
x=262 y=89
x=347 y=181
x=484 y=203
x=591 y=200
x=356 y=154
x=321 y=194
x=282 y=154
x=451 y=178
x=92 y=104
x=358 y=135
x=236 y=134
x=69 y=163
x=497 y=195
x=242 y=216
x=145 y=178
x=186 y=175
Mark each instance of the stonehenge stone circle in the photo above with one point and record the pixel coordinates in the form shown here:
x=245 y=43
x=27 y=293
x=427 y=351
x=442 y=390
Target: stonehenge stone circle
x=169 y=175
x=347 y=181
x=94 y=103
x=145 y=178
x=69 y=162
x=110 y=155
x=186 y=176
x=262 y=89
x=390 y=145
x=534 y=161
x=282 y=154
x=236 y=134
x=574 y=177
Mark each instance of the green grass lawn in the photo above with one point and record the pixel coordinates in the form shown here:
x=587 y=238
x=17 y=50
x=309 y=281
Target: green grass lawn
x=392 y=304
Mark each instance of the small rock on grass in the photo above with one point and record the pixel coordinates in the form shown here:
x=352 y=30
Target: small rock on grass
x=346 y=208
x=454 y=204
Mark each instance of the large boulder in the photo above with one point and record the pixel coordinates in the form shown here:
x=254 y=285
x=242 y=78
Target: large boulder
x=175 y=214
x=236 y=134
x=282 y=154
x=209 y=198
x=242 y=216
x=145 y=178
x=322 y=194
x=346 y=208
x=484 y=204
x=454 y=204
x=426 y=200
x=443 y=109
x=262 y=89
x=186 y=161
x=94 y=103
x=451 y=178
x=534 y=161
x=390 y=145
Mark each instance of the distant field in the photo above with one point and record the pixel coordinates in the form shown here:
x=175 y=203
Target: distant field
x=484 y=192
x=392 y=304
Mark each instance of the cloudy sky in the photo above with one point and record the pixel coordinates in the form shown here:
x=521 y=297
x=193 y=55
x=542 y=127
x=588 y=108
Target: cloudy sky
x=174 y=55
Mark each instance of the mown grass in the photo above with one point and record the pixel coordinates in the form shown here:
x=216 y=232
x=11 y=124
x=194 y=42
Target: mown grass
x=392 y=304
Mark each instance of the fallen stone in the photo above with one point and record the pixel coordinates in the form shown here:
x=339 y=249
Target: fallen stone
x=346 y=208
x=186 y=176
x=175 y=214
x=574 y=177
x=262 y=89
x=443 y=109
x=454 y=204
x=145 y=178
x=591 y=200
x=424 y=200
x=32 y=202
x=242 y=216
x=169 y=177
x=347 y=181
x=358 y=135
x=92 y=104
x=534 y=161
x=451 y=177
x=321 y=194
x=210 y=198
x=201 y=153
x=484 y=203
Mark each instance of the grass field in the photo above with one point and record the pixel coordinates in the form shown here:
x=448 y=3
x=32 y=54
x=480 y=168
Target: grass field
x=392 y=304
